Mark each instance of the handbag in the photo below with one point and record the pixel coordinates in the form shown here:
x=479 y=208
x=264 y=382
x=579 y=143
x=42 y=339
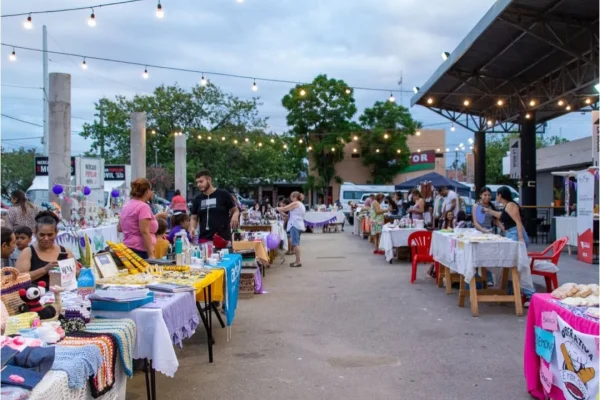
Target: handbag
x=11 y=282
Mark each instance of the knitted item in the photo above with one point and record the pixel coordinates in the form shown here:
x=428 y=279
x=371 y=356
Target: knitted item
x=105 y=378
x=124 y=331
x=79 y=363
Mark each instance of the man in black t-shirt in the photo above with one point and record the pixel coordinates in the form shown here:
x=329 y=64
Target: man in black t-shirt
x=213 y=209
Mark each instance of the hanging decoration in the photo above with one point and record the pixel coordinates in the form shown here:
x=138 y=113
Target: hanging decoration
x=115 y=193
x=57 y=189
x=273 y=241
x=87 y=191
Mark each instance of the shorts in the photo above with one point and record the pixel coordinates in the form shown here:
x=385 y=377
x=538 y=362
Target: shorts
x=513 y=234
x=295 y=236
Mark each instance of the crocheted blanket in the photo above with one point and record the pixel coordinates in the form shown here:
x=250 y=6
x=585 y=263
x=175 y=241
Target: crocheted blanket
x=78 y=362
x=105 y=378
x=124 y=331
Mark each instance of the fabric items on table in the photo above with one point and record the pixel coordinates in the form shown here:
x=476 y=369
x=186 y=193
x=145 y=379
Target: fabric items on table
x=78 y=362
x=103 y=381
x=579 y=332
x=123 y=331
x=179 y=313
x=464 y=257
x=19 y=343
x=394 y=237
x=25 y=368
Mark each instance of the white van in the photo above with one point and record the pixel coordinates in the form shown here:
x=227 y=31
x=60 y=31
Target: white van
x=493 y=188
x=355 y=193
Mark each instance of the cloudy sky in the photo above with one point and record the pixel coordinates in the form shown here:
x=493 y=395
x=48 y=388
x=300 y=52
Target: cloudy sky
x=366 y=43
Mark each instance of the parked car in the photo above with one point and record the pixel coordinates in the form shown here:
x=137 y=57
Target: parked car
x=247 y=202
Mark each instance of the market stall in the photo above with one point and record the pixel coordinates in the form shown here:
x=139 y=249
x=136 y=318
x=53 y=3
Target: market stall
x=99 y=236
x=561 y=344
x=393 y=236
x=316 y=220
x=467 y=250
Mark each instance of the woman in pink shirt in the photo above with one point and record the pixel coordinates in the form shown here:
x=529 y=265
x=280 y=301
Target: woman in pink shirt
x=137 y=221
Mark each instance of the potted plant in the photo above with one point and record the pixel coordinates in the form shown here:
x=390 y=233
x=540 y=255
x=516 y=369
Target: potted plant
x=558 y=194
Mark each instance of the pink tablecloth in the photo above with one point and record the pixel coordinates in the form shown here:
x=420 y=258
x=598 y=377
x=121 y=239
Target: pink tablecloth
x=580 y=323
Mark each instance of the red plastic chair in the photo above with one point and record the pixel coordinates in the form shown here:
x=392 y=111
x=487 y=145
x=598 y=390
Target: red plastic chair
x=420 y=243
x=550 y=277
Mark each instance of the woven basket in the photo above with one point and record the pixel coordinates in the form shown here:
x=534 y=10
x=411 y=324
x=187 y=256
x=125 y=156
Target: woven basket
x=17 y=322
x=11 y=282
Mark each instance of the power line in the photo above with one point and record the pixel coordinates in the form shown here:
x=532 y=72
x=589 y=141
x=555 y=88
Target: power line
x=21 y=87
x=71 y=9
x=147 y=66
x=20 y=120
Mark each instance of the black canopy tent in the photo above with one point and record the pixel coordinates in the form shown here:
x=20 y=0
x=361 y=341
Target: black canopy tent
x=437 y=181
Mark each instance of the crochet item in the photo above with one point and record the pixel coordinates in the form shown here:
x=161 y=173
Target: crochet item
x=124 y=331
x=80 y=363
x=105 y=377
x=72 y=325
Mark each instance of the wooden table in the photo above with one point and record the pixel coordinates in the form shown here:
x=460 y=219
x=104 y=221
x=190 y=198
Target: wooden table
x=256 y=228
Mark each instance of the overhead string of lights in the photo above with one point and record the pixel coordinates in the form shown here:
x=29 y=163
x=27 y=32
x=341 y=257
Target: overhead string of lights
x=203 y=80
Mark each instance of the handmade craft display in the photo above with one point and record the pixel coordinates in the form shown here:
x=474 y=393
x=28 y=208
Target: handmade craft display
x=134 y=263
x=578 y=295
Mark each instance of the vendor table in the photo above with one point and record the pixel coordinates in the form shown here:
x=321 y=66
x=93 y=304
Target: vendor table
x=317 y=219
x=256 y=228
x=392 y=237
x=572 y=372
x=98 y=237
x=464 y=257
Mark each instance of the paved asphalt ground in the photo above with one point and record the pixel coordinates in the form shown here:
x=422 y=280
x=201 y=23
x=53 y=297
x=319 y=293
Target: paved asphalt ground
x=347 y=325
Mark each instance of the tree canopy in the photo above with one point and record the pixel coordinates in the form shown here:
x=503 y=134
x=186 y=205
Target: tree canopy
x=386 y=127
x=18 y=170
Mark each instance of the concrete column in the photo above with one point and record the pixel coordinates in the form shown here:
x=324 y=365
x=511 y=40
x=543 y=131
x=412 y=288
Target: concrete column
x=181 y=163
x=138 y=145
x=528 y=170
x=479 y=161
x=59 y=146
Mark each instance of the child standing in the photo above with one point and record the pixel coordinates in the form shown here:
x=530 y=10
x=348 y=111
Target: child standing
x=179 y=222
x=23 y=235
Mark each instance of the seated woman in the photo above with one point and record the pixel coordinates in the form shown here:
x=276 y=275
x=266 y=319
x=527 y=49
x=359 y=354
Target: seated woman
x=254 y=215
x=39 y=258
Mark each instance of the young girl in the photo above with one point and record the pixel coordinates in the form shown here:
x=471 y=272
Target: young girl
x=179 y=222
x=161 y=248
x=449 y=221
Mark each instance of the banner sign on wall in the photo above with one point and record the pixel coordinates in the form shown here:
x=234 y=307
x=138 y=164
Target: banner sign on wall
x=595 y=137
x=114 y=173
x=585 y=215
x=421 y=161
x=41 y=166
x=515 y=158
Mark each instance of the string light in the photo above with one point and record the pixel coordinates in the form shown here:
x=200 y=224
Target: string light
x=568 y=108
x=254 y=86
x=272 y=140
x=386 y=136
x=391 y=99
x=153 y=132
x=447 y=150
x=300 y=141
x=200 y=137
x=500 y=103
x=309 y=148
x=145 y=75
x=285 y=146
x=561 y=103
x=456 y=149
x=418 y=133
x=588 y=101
x=527 y=116
x=354 y=150
x=92 y=19
x=13 y=55
x=470 y=140
x=27 y=24
x=437 y=150
x=223 y=138
x=430 y=101
x=532 y=103
x=333 y=149
x=302 y=92
x=466 y=103
x=398 y=151
x=348 y=90
x=84 y=65
x=470 y=147
x=246 y=140
x=209 y=138
x=418 y=150
x=376 y=150
x=203 y=81
x=160 y=13
x=235 y=141
x=355 y=138
x=259 y=144
x=453 y=128
x=490 y=122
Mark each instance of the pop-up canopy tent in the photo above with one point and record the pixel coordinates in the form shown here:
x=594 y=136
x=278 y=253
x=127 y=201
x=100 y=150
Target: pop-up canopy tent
x=437 y=181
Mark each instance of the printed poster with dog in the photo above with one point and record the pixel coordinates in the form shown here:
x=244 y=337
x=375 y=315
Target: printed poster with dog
x=575 y=367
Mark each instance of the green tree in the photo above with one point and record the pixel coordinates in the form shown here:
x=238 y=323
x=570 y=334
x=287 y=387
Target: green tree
x=496 y=148
x=320 y=114
x=383 y=145
x=17 y=170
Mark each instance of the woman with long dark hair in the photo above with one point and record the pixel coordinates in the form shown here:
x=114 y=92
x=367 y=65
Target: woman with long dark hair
x=511 y=216
x=22 y=213
x=485 y=202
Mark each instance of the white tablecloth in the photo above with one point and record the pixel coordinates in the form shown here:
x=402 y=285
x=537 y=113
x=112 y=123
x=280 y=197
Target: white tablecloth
x=394 y=237
x=465 y=257
x=55 y=386
x=316 y=218
x=98 y=237
x=567 y=226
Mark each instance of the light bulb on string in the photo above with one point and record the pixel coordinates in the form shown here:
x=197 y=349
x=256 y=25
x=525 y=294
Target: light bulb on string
x=272 y=140
x=302 y=92
x=588 y=101
x=490 y=122
x=418 y=133
x=285 y=146
x=239 y=1
x=333 y=149
x=470 y=147
x=568 y=108
x=447 y=150
x=259 y=144
x=527 y=116
x=430 y=100
x=235 y=141
x=28 y=24
x=13 y=55
x=348 y=90
x=209 y=138
x=222 y=138
x=470 y=140
x=254 y=86
x=500 y=103
x=354 y=150
x=456 y=149
x=154 y=133
x=376 y=150
x=532 y=103
x=200 y=137
x=300 y=141
x=561 y=103
x=398 y=151
x=160 y=13
x=466 y=103
x=203 y=81
x=391 y=99
x=84 y=64
x=309 y=148
x=418 y=150
x=246 y=140
x=145 y=75
x=453 y=128
x=437 y=150
x=386 y=136
x=92 y=20
x=355 y=138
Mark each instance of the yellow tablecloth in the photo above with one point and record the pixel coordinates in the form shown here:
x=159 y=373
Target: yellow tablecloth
x=258 y=247
x=216 y=280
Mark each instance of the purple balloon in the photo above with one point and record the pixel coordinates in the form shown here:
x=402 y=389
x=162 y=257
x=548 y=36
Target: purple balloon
x=86 y=190
x=273 y=241
x=115 y=193
x=57 y=189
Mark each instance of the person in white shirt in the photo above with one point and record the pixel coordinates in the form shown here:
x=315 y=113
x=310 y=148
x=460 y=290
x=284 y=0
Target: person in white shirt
x=295 y=224
x=451 y=202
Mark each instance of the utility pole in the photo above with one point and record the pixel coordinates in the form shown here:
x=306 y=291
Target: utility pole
x=45 y=85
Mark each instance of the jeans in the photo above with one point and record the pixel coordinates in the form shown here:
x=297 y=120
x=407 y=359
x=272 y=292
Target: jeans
x=513 y=234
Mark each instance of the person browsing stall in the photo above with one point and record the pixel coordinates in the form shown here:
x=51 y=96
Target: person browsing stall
x=485 y=202
x=377 y=221
x=7 y=246
x=213 y=210
x=178 y=202
x=418 y=209
x=137 y=221
x=23 y=235
x=179 y=222
x=511 y=216
x=295 y=224
x=40 y=258
x=22 y=213
x=161 y=248
x=451 y=202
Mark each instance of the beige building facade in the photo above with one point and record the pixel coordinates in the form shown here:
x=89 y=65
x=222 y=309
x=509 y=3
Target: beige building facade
x=427 y=155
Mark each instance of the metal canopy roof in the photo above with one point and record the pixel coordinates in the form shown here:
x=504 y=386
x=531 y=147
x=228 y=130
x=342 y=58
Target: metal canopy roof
x=534 y=55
